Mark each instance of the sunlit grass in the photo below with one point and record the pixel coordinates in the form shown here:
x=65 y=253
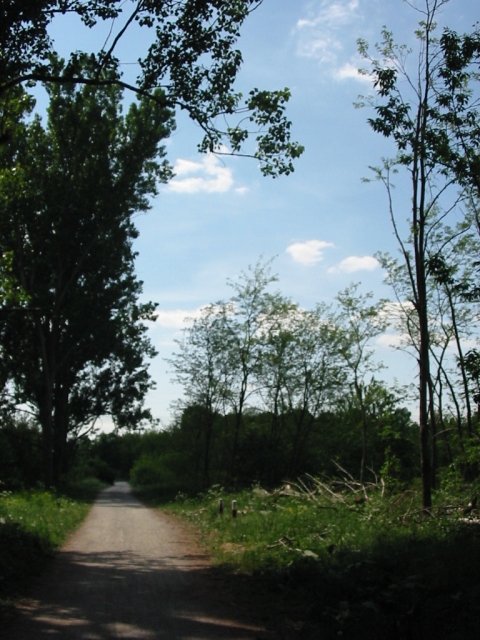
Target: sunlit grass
x=284 y=525
x=345 y=560
x=32 y=525
x=40 y=512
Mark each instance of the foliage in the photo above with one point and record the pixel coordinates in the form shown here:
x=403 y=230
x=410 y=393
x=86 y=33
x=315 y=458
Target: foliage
x=431 y=116
x=339 y=558
x=108 y=454
x=166 y=474
x=272 y=390
x=358 y=321
x=20 y=454
x=189 y=52
x=32 y=525
x=451 y=255
x=171 y=460
x=68 y=193
x=83 y=490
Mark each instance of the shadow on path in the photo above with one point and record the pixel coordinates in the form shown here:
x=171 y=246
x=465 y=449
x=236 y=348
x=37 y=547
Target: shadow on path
x=139 y=580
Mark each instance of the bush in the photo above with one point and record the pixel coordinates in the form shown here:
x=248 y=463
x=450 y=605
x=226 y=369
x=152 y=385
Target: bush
x=22 y=554
x=85 y=490
x=20 y=454
x=32 y=525
x=161 y=471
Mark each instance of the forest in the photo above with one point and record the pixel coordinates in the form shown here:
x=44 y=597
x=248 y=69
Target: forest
x=275 y=396
x=271 y=390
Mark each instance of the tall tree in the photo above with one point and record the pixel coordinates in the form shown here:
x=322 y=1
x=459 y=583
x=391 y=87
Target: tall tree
x=358 y=322
x=201 y=367
x=413 y=111
x=275 y=368
x=67 y=196
x=450 y=256
x=190 y=53
x=248 y=315
x=220 y=358
x=314 y=379
x=451 y=268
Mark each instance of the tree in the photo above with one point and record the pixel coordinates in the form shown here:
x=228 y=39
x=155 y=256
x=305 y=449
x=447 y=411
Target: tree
x=190 y=56
x=457 y=111
x=389 y=434
x=450 y=255
x=275 y=368
x=358 y=322
x=315 y=377
x=221 y=356
x=248 y=317
x=67 y=196
x=419 y=113
x=200 y=367
x=451 y=268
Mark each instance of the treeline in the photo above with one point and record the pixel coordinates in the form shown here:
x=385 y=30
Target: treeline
x=273 y=391
x=175 y=460
x=73 y=337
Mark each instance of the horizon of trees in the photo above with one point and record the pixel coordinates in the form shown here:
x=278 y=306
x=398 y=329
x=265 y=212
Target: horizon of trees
x=73 y=336
x=261 y=375
x=260 y=354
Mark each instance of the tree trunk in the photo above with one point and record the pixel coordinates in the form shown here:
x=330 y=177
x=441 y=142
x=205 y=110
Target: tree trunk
x=461 y=362
x=209 y=421
x=45 y=404
x=419 y=215
x=45 y=419
x=61 y=429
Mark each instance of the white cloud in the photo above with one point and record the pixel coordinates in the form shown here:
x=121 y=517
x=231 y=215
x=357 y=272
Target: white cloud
x=392 y=340
x=308 y=252
x=183 y=167
x=213 y=176
x=356 y=263
x=333 y=14
x=322 y=48
x=396 y=312
x=404 y=341
x=176 y=318
x=321 y=36
x=349 y=71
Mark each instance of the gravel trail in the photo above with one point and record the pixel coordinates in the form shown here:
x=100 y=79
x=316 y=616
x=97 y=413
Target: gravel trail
x=129 y=572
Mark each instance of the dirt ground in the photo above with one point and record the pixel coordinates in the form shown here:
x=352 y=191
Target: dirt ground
x=130 y=572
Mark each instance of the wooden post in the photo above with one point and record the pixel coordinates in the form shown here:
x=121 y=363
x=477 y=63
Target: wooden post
x=220 y=507
x=234 y=508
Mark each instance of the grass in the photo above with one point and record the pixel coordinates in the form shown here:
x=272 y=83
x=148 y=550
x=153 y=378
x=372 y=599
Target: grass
x=330 y=560
x=33 y=524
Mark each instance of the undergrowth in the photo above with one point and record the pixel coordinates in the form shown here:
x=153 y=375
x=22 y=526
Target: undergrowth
x=32 y=525
x=347 y=560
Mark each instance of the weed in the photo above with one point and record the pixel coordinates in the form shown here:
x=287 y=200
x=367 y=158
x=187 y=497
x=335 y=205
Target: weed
x=351 y=561
x=32 y=525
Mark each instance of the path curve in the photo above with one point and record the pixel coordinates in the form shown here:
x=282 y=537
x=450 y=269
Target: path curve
x=129 y=572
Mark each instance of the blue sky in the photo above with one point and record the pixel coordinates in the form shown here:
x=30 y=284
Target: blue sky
x=322 y=223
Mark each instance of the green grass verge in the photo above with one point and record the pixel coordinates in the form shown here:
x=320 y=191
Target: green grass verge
x=32 y=525
x=330 y=563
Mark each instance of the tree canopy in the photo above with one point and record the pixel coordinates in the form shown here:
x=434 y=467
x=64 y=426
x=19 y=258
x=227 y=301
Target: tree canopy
x=67 y=195
x=431 y=114
x=191 y=56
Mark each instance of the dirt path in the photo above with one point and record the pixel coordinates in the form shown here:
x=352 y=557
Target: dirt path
x=129 y=572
